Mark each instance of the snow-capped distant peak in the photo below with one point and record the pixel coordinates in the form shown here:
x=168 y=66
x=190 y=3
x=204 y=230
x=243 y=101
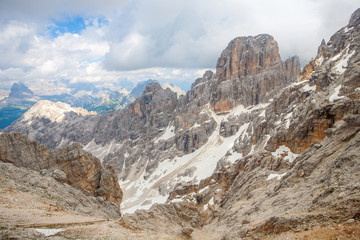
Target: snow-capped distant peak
x=124 y=91
x=55 y=112
x=173 y=88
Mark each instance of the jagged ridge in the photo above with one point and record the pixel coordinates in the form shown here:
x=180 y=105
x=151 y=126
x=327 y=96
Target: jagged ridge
x=291 y=132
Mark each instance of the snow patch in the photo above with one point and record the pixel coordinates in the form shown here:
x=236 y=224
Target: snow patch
x=206 y=206
x=211 y=202
x=121 y=182
x=239 y=110
x=175 y=200
x=275 y=175
x=346 y=29
x=101 y=151
x=335 y=95
x=49 y=232
x=262 y=114
x=169 y=133
x=196 y=125
x=204 y=160
x=204 y=189
x=307 y=88
x=320 y=60
x=61 y=143
x=283 y=150
x=288 y=118
x=234 y=156
x=334 y=58
x=267 y=138
x=342 y=64
x=189 y=197
x=252 y=149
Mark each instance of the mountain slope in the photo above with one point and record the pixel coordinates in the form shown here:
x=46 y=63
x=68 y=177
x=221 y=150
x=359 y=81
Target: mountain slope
x=70 y=165
x=249 y=152
x=161 y=140
x=294 y=171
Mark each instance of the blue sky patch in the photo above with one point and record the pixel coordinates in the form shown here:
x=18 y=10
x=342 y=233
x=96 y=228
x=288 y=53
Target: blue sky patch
x=70 y=25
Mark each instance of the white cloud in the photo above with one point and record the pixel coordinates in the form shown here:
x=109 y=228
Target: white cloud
x=193 y=33
x=166 y=40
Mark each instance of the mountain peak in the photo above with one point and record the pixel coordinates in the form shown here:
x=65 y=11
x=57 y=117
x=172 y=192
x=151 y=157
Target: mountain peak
x=247 y=56
x=355 y=18
x=140 y=87
x=174 y=88
x=55 y=112
x=254 y=66
x=20 y=90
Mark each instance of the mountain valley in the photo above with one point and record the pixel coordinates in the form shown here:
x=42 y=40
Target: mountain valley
x=260 y=149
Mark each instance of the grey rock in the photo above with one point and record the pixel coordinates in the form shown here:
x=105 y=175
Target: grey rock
x=63 y=196
x=59 y=175
x=293 y=165
x=70 y=165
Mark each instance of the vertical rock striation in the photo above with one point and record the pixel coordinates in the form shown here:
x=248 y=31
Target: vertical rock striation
x=249 y=70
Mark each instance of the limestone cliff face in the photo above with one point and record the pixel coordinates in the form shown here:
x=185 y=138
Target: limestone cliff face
x=247 y=56
x=151 y=111
x=233 y=138
x=248 y=71
x=296 y=161
x=71 y=165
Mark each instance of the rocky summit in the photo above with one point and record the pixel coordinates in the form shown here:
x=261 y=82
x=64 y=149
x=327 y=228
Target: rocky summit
x=255 y=70
x=258 y=150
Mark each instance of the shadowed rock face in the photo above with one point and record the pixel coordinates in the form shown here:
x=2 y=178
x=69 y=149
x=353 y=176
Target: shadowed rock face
x=71 y=165
x=19 y=90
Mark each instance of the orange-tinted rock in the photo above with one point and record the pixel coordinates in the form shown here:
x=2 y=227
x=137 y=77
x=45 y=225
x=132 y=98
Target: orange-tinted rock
x=83 y=171
x=307 y=71
x=247 y=56
x=249 y=70
x=222 y=106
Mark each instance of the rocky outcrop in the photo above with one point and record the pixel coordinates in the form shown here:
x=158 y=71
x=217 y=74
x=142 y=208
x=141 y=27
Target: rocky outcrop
x=71 y=165
x=247 y=56
x=297 y=158
x=249 y=70
x=31 y=200
x=37 y=185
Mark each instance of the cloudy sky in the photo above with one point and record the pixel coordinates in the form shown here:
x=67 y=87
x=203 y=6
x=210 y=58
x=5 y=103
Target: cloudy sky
x=119 y=42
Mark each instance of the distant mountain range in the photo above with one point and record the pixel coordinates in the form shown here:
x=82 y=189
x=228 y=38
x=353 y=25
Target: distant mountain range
x=81 y=94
